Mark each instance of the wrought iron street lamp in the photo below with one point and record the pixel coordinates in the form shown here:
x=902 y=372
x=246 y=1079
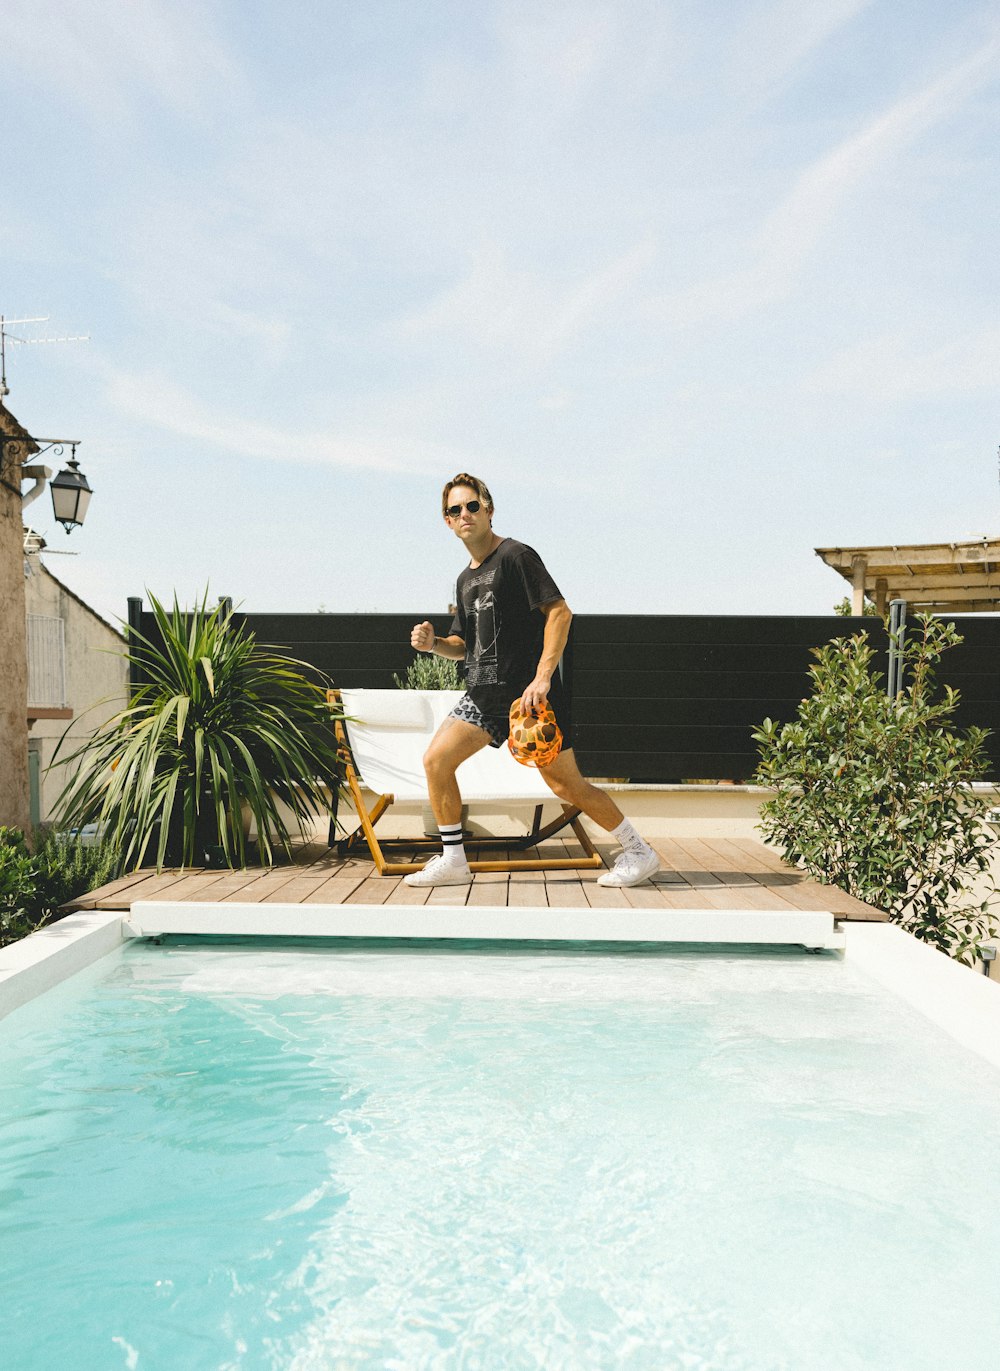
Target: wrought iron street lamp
x=70 y=489
x=70 y=494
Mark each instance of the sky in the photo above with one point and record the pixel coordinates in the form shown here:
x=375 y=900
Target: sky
x=694 y=287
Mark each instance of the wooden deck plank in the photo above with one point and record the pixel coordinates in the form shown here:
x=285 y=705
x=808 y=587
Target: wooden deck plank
x=682 y=897
x=565 y=895
x=193 y=884
x=707 y=857
x=757 y=851
x=643 y=896
x=731 y=873
x=337 y=890
x=448 y=894
x=751 y=856
x=229 y=883
x=140 y=885
x=604 y=896
x=375 y=890
x=259 y=884
x=698 y=873
x=112 y=889
x=806 y=892
x=408 y=894
x=526 y=894
x=484 y=891
x=293 y=891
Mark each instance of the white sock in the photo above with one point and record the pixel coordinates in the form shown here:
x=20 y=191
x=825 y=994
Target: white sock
x=452 y=844
x=630 y=840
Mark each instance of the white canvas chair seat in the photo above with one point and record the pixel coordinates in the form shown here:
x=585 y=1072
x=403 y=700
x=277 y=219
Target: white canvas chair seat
x=387 y=732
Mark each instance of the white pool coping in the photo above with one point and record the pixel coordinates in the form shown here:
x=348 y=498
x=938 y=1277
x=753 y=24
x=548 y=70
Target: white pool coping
x=534 y=923
x=964 y=1004
x=47 y=958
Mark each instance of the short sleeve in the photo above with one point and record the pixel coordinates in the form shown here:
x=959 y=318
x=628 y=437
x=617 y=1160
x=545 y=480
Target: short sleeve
x=457 y=628
x=539 y=587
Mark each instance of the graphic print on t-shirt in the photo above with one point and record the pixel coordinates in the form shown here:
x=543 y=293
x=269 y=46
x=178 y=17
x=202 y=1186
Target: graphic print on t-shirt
x=496 y=615
x=481 y=668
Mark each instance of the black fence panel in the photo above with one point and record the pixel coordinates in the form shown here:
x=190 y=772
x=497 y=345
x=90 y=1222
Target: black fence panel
x=676 y=698
x=654 y=698
x=973 y=668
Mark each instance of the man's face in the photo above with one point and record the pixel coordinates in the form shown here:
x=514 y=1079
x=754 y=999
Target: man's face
x=466 y=524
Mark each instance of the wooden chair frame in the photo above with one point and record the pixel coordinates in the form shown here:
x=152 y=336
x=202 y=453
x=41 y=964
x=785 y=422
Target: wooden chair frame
x=368 y=818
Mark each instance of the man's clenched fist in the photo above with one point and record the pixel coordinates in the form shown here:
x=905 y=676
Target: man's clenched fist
x=422 y=637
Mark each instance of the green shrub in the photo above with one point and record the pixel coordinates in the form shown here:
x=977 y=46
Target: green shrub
x=33 y=886
x=430 y=672
x=67 y=867
x=17 y=887
x=874 y=795
x=845 y=609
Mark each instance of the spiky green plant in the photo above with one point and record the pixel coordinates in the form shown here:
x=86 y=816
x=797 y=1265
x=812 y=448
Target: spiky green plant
x=218 y=727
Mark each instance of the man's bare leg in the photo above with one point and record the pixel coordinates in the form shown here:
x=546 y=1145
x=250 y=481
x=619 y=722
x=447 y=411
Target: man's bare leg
x=564 y=779
x=637 y=861
x=454 y=742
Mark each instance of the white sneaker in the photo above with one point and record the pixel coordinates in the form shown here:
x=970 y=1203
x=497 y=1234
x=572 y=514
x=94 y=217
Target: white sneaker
x=631 y=868
x=439 y=872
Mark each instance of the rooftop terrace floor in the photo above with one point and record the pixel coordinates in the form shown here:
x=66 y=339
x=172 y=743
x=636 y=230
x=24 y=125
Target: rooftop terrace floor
x=698 y=874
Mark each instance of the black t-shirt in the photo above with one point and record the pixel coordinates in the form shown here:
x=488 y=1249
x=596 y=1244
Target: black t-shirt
x=498 y=617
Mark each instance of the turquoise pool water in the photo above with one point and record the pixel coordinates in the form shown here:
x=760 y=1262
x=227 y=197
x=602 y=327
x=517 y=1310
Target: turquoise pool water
x=242 y=1157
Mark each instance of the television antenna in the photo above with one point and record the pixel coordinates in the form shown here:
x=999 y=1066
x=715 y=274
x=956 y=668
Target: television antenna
x=7 y=337
x=35 y=544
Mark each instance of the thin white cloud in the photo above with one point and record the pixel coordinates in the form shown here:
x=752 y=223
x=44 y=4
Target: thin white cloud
x=111 y=58
x=788 y=236
x=500 y=307
x=780 y=38
x=894 y=368
x=152 y=399
x=552 y=55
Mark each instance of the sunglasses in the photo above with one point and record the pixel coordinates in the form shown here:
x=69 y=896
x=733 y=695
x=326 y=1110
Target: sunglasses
x=473 y=506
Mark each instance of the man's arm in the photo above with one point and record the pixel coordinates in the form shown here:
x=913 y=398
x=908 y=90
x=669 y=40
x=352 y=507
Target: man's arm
x=422 y=638
x=558 y=618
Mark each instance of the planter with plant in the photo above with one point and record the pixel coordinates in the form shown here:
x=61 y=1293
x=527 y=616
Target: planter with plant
x=217 y=728
x=875 y=794
x=429 y=672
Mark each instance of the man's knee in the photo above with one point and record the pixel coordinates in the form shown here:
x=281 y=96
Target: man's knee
x=438 y=765
x=564 y=787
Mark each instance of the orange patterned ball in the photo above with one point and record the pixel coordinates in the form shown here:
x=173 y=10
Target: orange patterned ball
x=535 y=739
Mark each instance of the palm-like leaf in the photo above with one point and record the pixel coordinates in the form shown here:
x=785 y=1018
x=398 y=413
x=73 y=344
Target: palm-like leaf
x=218 y=726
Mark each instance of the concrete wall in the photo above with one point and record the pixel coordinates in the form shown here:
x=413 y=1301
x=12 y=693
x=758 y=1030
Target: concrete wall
x=14 y=807
x=95 y=673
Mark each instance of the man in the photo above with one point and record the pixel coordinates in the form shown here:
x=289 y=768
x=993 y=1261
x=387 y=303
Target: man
x=510 y=627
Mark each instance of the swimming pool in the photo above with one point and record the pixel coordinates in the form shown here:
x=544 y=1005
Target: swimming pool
x=244 y=1157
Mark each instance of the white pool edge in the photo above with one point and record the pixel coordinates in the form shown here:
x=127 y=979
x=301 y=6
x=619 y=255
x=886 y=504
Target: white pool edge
x=530 y=923
x=45 y=959
x=963 y=1004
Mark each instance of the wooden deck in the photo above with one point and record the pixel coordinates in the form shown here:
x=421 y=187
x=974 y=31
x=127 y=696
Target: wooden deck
x=703 y=873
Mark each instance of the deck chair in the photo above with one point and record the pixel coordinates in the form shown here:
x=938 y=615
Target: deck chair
x=383 y=736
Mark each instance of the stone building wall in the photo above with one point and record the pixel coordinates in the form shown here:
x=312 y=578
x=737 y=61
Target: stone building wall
x=96 y=673
x=14 y=804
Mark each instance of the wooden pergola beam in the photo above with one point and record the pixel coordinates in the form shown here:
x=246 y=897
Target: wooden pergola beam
x=956 y=577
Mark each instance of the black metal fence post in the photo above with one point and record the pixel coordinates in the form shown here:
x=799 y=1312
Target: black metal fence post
x=897 y=638
x=134 y=622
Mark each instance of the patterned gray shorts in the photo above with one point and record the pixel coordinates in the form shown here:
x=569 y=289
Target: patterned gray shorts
x=496 y=725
